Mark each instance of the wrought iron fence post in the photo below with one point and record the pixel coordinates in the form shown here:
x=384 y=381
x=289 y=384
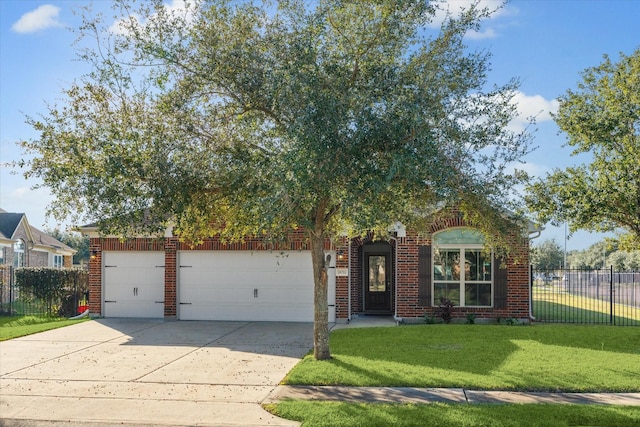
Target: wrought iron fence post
x=11 y=290
x=611 y=319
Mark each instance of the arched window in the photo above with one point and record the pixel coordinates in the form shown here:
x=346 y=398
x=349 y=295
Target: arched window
x=462 y=268
x=18 y=253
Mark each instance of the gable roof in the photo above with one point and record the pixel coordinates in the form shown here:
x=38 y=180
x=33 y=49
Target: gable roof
x=40 y=238
x=9 y=223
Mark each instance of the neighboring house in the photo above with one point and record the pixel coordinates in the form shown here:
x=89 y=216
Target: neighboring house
x=22 y=245
x=254 y=281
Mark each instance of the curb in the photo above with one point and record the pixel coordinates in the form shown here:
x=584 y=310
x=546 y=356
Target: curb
x=445 y=395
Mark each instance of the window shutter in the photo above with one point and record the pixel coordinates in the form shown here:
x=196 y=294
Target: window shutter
x=500 y=283
x=424 y=275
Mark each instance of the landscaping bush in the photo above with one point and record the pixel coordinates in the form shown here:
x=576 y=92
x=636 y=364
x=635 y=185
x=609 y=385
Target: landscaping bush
x=59 y=289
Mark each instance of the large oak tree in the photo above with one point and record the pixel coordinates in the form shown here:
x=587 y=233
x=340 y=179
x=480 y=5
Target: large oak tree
x=602 y=118
x=226 y=118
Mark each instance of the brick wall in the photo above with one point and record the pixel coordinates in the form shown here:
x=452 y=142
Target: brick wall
x=95 y=276
x=517 y=277
x=405 y=281
x=38 y=259
x=171 y=246
x=342 y=282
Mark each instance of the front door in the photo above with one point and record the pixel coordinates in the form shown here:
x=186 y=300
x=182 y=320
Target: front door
x=377 y=278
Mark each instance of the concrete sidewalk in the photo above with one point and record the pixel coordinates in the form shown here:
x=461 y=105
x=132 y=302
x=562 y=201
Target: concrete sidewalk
x=446 y=395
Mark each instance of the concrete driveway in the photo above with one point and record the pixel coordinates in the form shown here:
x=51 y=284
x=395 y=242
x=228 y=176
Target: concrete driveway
x=150 y=372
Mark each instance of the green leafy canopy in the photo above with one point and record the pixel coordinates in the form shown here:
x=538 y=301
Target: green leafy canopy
x=228 y=118
x=602 y=118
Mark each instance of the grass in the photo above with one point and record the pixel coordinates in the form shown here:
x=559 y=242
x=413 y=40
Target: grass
x=549 y=311
x=593 y=358
x=495 y=357
x=14 y=327
x=552 y=304
x=332 y=414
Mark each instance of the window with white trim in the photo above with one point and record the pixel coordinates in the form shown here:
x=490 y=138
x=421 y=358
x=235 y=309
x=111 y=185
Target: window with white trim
x=18 y=254
x=58 y=261
x=462 y=269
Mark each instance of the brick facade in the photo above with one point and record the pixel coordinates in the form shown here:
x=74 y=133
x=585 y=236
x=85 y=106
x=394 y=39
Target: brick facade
x=405 y=289
x=170 y=246
x=405 y=304
x=36 y=253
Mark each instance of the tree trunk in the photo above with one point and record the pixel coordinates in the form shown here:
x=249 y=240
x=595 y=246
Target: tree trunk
x=321 y=309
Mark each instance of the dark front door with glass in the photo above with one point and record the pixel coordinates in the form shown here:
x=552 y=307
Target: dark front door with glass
x=378 y=280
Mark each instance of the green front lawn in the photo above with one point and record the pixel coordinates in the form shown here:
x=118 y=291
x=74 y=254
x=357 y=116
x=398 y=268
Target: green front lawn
x=333 y=414
x=484 y=357
x=14 y=327
x=494 y=357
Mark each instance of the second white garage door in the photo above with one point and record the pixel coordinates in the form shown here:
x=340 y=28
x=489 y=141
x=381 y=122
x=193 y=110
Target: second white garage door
x=247 y=285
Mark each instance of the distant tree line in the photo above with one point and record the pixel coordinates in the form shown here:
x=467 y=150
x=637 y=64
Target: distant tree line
x=548 y=254
x=74 y=240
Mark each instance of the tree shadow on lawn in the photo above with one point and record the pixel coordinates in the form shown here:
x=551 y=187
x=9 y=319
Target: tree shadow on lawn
x=553 y=312
x=342 y=414
x=534 y=358
x=476 y=349
x=415 y=346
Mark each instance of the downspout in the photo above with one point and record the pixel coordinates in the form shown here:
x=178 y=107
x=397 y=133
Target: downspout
x=531 y=317
x=349 y=283
x=398 y=320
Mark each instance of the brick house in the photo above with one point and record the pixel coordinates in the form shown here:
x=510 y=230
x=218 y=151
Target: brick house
x=162 y=277
x=22 y=245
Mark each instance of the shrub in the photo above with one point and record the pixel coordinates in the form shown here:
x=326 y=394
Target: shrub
x=59 y=288
x=446 y=309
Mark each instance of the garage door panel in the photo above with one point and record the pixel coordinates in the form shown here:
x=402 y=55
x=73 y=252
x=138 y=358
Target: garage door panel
x=246 y=285
x=136 y=277
x=133 y=284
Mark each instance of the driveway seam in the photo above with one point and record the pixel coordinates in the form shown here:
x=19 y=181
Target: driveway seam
x=224 y=384
x=137 y=380
x=95 y=344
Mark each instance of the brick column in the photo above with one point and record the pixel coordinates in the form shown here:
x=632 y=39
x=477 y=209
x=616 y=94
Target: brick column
x=170 y=278
x=95 y=276
x=342 y=283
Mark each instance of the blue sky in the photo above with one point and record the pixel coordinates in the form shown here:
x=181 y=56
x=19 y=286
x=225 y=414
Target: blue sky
x=543 y=42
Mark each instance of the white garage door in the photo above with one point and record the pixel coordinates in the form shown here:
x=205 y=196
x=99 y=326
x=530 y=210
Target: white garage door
x=133 y=284
x=248 y=285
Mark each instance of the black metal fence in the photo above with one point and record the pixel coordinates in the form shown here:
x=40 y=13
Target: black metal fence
x=17 y=301
x=586 y=296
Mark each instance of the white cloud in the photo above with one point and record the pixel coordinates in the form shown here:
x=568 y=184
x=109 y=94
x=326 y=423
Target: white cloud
x=31 y=202
x=489 y=33
x=532 y=106
x=119 y=27
x=45 y=16
x=531 y=168
x=454 y=9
